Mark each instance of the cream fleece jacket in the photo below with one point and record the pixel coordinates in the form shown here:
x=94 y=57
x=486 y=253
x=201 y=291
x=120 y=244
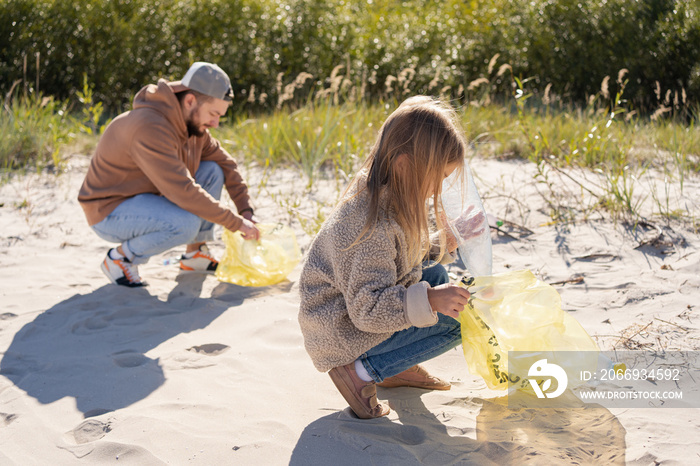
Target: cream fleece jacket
x=147 y=150
x=353 y=299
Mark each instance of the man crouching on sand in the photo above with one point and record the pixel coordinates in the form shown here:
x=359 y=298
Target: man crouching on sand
x=155 y=180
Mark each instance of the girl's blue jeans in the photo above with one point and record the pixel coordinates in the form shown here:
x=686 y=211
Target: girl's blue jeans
x=150 y=224
x=414 y=345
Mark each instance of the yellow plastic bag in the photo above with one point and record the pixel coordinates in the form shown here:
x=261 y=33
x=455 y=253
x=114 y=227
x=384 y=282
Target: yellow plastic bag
x=259 y=263
x=515 y=311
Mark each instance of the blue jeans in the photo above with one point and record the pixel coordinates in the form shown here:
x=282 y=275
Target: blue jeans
x=149 y=224
x=414 y=345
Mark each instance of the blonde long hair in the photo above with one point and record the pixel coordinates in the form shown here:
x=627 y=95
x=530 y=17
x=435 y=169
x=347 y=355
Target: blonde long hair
x=427 y=131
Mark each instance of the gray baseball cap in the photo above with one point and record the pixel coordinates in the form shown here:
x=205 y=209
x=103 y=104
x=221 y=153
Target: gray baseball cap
x=206 y=78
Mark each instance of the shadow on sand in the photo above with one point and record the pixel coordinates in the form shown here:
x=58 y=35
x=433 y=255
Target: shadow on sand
x=465 y=431
x=92 y=347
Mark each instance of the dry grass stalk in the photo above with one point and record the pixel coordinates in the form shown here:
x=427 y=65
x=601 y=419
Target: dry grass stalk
x=621 y=75
x=288 y=94
x=503 y=68
x=336 y=78
x=659 y=332
x=251 y=94
x=302 y=78
x=627 y=341
x=434 y=82
x=476 y=83
x=363 y=87
x=8 y=96
x=372 y=77
x=546 y=100
x=604 y=88
x=389 y=84
x=336 y=81
x=659 y=112
x=406 y=75
x=278 y=83
x=492 y=63
x=290 y=88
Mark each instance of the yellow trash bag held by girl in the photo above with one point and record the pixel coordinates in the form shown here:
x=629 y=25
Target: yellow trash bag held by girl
x=514 y=311
x=259 y=263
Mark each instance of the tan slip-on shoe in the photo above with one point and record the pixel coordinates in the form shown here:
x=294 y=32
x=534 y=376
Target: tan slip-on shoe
x=416 y=377
x=360 y=395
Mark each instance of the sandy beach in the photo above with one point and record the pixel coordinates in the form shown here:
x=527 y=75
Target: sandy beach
x=190 y=370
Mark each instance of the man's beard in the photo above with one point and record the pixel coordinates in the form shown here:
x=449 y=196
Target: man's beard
x=193 y=129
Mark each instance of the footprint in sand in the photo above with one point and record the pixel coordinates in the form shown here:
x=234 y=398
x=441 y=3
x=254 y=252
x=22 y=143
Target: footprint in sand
x=89 y=325
x=210 y=349
x=129 y=358
x=7 y=316
x=89 y=431
x=6 y=419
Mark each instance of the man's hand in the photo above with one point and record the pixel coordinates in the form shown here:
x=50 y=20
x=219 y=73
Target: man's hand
x=248 y=215
x=448 y=299
x=249 y=230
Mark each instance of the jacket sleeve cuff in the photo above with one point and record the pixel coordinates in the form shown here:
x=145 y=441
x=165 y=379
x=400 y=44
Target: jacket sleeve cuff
x=418 y=310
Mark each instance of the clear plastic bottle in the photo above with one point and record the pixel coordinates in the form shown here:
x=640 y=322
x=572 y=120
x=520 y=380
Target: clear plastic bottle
x=605 y=364
x=468 y=221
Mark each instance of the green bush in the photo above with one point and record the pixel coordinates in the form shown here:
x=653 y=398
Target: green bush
x=387 y=48
x=574 y=44
x=34 y=130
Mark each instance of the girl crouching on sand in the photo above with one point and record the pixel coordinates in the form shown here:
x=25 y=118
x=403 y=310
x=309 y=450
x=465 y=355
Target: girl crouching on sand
x=371 y=308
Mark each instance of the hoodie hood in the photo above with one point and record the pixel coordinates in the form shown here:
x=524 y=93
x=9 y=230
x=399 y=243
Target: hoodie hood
x=161 y=98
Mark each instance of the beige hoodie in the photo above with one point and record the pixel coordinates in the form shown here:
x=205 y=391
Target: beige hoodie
x=147 y=150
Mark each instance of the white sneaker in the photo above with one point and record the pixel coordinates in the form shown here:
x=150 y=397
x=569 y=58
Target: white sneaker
x=121 y=271
x=198 y=261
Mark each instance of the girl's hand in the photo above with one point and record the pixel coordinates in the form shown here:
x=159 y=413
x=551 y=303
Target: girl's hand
x=448 y=299
x=467 y=226
x=470 y=225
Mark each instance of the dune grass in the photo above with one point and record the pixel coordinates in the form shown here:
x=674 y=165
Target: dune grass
x=34 y=129
x=37 y=129
x=315 y=136
x=604 y=138
x=329 y=132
